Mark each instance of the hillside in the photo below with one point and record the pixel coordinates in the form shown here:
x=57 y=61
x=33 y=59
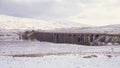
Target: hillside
x=10 y=22
x=111 y=29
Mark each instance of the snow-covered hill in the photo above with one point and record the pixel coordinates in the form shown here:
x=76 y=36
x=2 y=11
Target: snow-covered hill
x=110 y=29
x=10 y=22
x=10 y=26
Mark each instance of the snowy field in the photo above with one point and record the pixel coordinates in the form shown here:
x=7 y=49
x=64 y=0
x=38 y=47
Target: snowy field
x=34 y=54
x=43 y=48
x=59 y=62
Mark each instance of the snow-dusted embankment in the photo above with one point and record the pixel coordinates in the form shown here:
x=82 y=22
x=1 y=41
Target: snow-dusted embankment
x=6 y=35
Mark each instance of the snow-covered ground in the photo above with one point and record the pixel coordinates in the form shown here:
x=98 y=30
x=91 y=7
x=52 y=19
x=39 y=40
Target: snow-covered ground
x=44 y=48
x=69 y=61
x=35 y=54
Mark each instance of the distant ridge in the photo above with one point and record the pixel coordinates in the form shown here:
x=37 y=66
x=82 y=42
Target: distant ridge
x=110 y=29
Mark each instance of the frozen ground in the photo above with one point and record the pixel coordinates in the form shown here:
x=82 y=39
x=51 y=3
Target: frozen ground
x=69 y=61
x=43 y=48
x=28 y=54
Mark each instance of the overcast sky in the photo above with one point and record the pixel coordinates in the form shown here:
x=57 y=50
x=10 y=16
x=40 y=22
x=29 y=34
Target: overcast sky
x=93 y=12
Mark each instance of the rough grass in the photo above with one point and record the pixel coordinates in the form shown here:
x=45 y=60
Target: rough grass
x=82 y=54
x=38 y=55
x=90 y=56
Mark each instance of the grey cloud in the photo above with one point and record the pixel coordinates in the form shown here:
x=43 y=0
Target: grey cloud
x=41 y=9
x=45 y=9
